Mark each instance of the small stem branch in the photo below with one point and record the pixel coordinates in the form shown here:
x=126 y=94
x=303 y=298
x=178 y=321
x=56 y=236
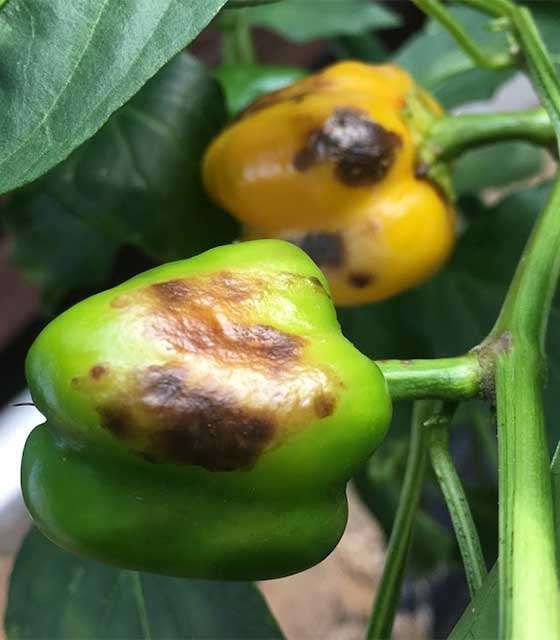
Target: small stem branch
x=386 y=602
x=495 y=8
x=529 y=590
x=541 y=67
x=481 y=58
x=237 y=47
x=452 y=135
x=446 y=379
x=452 y=489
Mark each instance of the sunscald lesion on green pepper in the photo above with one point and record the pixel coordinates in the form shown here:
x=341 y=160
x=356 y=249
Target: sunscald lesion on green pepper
x=203 y=418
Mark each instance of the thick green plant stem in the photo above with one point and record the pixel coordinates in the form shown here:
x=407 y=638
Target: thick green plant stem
x=529 y=592
x=446 y=379
x=451 y=136
x=456 y=500
x=529 y=589
x=482 y=58
x=386 y=601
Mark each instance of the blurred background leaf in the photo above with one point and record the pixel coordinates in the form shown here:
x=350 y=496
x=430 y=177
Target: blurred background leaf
x=55 y=594
x=136 y=182
x=436 y=62
x=301 y=20
x=498 y=165
x=243 y=83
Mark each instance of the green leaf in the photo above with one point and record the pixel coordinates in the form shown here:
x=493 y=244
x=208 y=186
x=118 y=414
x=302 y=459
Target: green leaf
x=136 y=182
x=243 y=83
x=66 y=66
x=498 y=165
x=547 y=16
x=436 y=61
x=302 y=20
x=57 y=595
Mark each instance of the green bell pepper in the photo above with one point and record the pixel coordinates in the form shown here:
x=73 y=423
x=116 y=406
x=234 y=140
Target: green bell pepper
x=203 y=418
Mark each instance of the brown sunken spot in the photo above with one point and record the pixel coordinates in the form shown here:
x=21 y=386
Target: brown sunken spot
x=120 y=302
x=98 y=371
x=362 y=150
x=422 y=170
x=117 y=419
x=324 y=405
x=325 y=248
x=360 y=279
x=166 y=420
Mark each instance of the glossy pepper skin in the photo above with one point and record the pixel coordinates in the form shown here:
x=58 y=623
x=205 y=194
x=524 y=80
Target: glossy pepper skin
x=331 y=163
x=203 y=418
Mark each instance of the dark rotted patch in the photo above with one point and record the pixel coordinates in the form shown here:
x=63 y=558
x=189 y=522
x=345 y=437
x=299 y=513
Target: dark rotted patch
x=117 y=419
x=422 y=170
x=360 y=279
x=362 y=150
x=98 y=371
x=325 y=248
x=324 y=405
x=167 y=421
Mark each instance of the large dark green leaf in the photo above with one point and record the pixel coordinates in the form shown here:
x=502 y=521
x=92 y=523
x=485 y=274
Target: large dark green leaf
x=437 y=62
x=497 y=165
x=137 y=182
x=302 y=20
x=547 y=15
x=66 y=66
x=59 y=596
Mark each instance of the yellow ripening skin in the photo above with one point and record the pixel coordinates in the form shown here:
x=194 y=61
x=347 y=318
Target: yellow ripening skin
x=331 y=164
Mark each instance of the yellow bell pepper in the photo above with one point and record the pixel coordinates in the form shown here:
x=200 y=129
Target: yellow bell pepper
x=331 y=164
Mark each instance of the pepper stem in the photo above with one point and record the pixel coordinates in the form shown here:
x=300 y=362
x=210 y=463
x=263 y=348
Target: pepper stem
x=461 y=516
x=459 y=378
x=386 y=602
x=450 y=136
x=237 y=42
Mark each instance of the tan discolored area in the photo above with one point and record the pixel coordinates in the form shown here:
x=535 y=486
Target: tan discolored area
x=227 y=391
x=362 y=150
x=170 y=420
